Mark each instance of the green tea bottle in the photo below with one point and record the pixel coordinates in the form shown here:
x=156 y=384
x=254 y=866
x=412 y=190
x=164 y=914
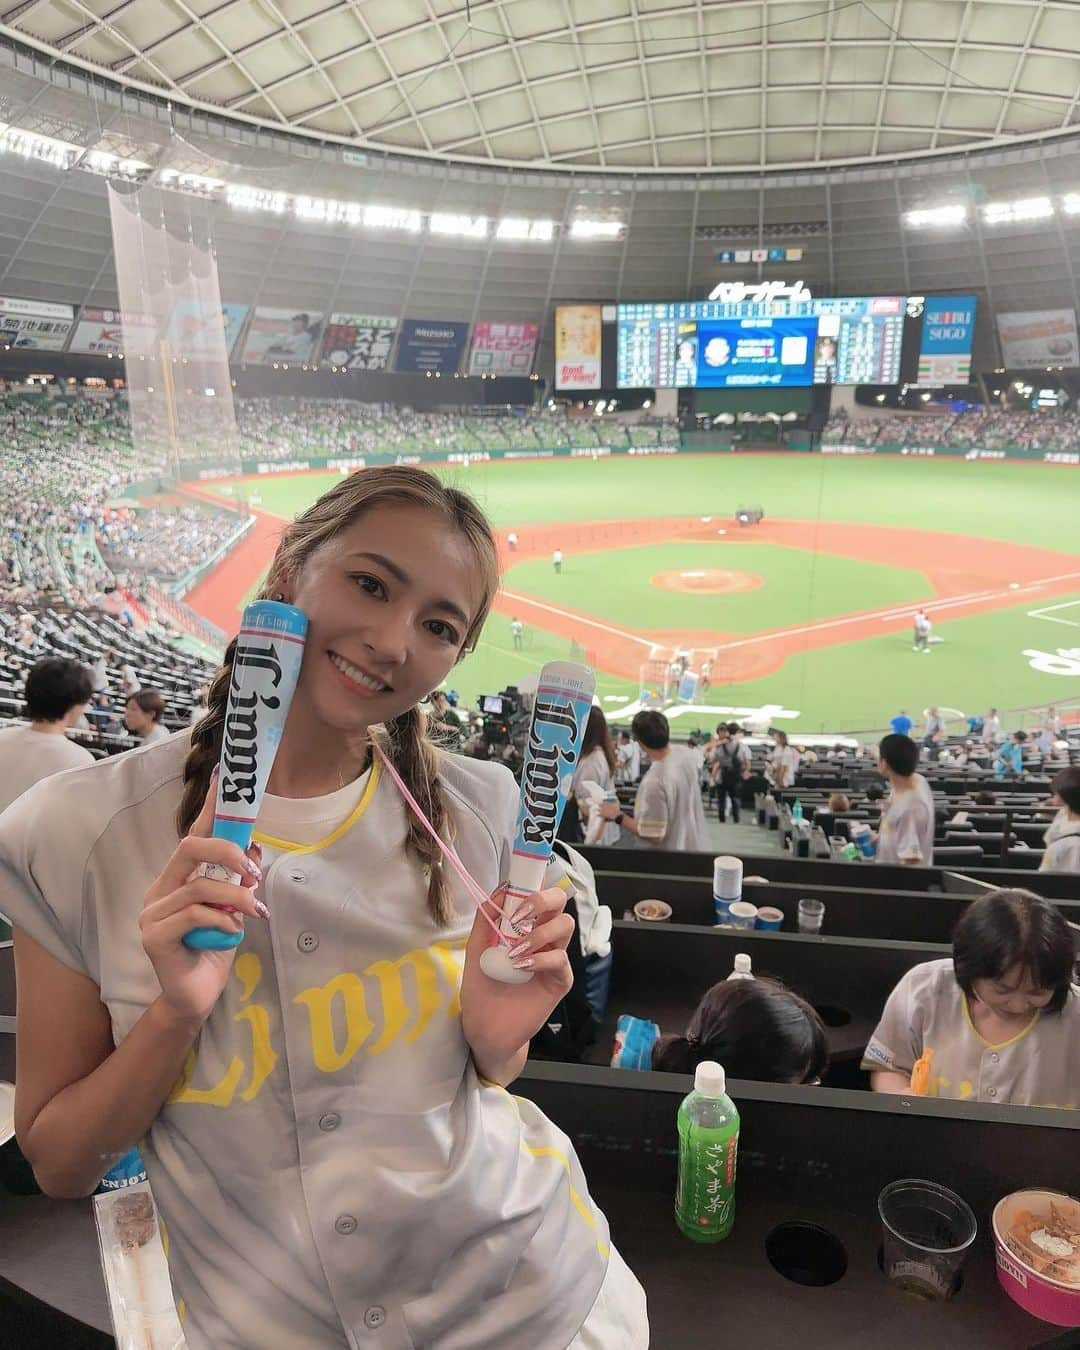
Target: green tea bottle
x=708 y=1147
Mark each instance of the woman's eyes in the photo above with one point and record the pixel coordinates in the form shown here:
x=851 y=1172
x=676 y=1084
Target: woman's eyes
x=437 y=627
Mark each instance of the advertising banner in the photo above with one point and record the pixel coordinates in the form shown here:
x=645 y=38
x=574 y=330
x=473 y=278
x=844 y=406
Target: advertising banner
x=577 y=347
x=1039 y=337
x=34 y=325
x=948 y=332
x=359 y=341
x=193 y=325
x=105 y=332
x=503 y=348
x=431 y=344
x=289 y=335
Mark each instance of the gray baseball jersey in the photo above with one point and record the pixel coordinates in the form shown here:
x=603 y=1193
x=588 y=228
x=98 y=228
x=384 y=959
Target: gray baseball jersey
x=926 y=1031
x=330 y=1169
x=668 y=809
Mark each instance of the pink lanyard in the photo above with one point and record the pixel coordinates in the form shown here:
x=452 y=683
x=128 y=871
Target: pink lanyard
x=475 y=890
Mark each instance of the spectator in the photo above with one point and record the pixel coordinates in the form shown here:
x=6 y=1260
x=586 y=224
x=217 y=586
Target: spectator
x=999 y=1022
x=757 y=1029
x=991 y=728
x=907 y=823
x=628 y=759
x=201 y=706
x=782 y=762
x=129 y=681
x=874 y=794
x=901 y=724
x=143 y=714
x=99 y=671
x=1063 y=848
x=839 y=802
x=668 y=812
x=1053 y=721
x=1010 y=758
x=57 y=692
x=935 y=727
x=594 y=778
x=730 y=769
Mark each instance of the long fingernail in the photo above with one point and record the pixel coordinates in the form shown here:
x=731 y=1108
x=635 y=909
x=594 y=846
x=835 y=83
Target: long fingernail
x=522 y=913
x=261 y=910
x=523 y=963
x=518 y=949
x=256 y=848
x=253 y=869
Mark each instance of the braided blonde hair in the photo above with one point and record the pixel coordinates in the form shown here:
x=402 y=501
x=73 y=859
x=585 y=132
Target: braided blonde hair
x=405 y=738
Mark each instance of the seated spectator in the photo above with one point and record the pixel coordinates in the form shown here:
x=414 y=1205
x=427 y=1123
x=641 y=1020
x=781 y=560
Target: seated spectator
x=999 y=1022
x=757 y=1029
x=667 y=812
x=1010 y=758
x=906 y=834
x=839 y=802
x=143 y=714
x=875 y=793
x=984 y=798
x=1063 y=834
x=57 y=692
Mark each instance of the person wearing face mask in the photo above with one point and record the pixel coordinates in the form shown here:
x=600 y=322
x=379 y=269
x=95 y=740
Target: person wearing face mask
x=322 y=1111
x=999 y=1022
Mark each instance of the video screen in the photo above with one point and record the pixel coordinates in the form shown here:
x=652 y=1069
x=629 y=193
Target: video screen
x=746 y=353
x=493 y=704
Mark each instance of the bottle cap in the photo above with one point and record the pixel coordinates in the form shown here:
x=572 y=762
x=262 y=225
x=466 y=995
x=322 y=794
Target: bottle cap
x=742 y=963
x=709 y=1079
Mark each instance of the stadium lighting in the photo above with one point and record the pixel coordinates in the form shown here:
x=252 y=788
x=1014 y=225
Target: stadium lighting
x=1024 y=208
x=46 y=149
x=197 y=183
x=534 y=231
x=392 y=218
x=458 y=226
x=938 y=216
x=112 y=166
x=1070 y=203
x=246 y=198
x=328 y=210
x=597 y=229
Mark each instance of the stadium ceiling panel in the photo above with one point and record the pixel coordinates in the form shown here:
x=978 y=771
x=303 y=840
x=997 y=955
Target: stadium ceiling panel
x=594 y=85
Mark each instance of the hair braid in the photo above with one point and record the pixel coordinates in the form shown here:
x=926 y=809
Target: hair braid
x=417 y=760
x=206 y=737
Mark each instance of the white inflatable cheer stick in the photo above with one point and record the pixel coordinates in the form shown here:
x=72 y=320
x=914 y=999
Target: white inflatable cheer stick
x=561 y=706
x=269 y=649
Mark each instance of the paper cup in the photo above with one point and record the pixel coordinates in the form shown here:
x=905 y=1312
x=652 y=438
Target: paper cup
x=721 y=911
x=742 y=914
x=1049 y=1299
x=652 y=911
x=769 y=918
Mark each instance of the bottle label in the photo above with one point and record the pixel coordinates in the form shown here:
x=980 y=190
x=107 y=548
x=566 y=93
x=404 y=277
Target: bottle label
x=705 y=1199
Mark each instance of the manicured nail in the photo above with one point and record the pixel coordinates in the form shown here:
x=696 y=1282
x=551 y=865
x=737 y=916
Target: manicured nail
x=256 y=848
x=522 y=913
x=522 y=963
x=252 y=868
x=518 y=949
x=261 y=910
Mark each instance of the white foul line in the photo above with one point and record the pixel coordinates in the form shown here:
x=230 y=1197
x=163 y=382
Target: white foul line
x=579 y=618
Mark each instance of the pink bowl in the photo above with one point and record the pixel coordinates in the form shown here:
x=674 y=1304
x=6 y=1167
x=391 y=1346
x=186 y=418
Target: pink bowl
x=1050 y=1300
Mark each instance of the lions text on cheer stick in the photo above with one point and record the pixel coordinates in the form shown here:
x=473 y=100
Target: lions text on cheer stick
x=269 y=649
x=561 y=706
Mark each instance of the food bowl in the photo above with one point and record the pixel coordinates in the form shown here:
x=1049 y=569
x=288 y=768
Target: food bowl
x=652 y=911
x=1037 y=1248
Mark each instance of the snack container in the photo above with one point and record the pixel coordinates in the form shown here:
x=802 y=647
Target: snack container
x=652 y=911
x=1023 y=1269
x=136 y=1272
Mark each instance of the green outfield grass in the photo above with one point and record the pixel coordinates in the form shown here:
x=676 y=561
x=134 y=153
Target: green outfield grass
x=857 y=684
x=616 y=585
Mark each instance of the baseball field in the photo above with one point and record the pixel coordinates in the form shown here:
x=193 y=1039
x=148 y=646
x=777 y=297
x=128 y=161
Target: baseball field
x=806 y=617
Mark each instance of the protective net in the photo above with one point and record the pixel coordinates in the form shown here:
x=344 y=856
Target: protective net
x=177 y=333
x=677 y=675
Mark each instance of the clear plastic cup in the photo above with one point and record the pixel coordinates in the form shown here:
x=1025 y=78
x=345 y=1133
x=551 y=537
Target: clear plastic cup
x=927 y=1232
x=811 y=916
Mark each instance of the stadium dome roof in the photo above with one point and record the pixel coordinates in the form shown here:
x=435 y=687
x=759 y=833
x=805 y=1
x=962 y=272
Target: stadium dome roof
x=626 y=85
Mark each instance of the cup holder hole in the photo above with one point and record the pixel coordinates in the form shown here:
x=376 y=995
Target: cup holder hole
x=806 y=1254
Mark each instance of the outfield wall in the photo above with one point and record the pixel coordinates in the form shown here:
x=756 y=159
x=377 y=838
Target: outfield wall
x=956 y=452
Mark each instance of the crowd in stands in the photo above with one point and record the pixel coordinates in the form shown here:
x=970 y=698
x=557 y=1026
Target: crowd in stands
x=995 y=429
x=166 y=543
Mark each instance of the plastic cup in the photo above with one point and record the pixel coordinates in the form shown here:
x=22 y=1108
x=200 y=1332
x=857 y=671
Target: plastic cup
x=927 y=1232
x=742 y=914
x=770 y=919
x=811 y=916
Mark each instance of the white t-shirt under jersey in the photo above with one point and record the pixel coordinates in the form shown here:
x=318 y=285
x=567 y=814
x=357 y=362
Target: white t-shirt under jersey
x=27 y=756
x=328 y=1160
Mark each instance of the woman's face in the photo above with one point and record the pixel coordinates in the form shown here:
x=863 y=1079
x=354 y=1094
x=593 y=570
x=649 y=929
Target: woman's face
x=389 y=601
x=1013 y=994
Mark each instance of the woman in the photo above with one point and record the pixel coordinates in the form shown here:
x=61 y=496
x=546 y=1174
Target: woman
x=1000 y=1022
x=596 y=770
x=143 y=713
x=783 y=761
x=320 y=1115
x=756 y=1028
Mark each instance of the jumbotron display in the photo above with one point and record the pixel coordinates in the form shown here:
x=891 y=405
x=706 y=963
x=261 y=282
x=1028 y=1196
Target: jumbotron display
x=716 y=344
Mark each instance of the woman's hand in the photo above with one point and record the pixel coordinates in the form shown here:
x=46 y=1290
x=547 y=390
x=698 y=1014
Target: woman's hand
x=192 y=981
x=500 y=1019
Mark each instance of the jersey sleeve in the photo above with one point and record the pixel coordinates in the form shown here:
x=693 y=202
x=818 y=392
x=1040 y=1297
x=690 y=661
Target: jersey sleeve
x=897 y=1042
x=41 y=877
x=651 y=809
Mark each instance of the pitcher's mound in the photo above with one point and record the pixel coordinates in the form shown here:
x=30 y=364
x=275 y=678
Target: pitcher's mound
x=708 y=581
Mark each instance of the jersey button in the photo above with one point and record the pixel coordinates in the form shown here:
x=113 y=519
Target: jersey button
x=991 y=1092
x=308 y=942
x=374 y=1318
x=994 y=1059
x=330 y=1121
x=345 y=1224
